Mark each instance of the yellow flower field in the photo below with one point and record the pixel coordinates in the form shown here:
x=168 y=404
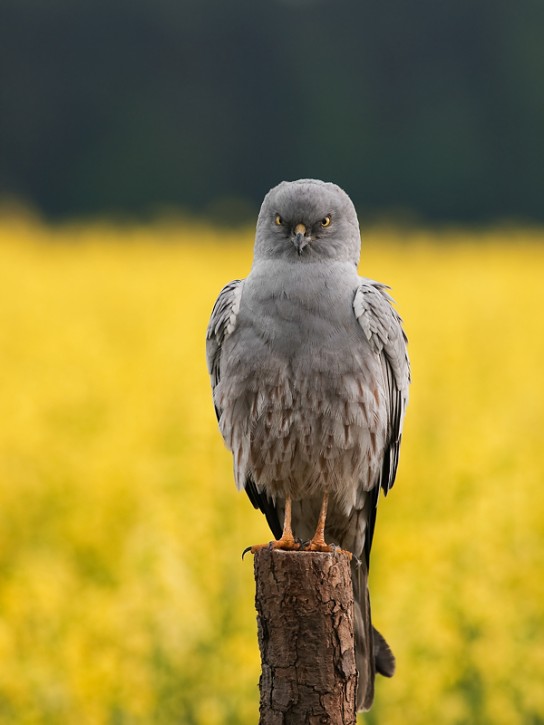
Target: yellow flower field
x=123 y=599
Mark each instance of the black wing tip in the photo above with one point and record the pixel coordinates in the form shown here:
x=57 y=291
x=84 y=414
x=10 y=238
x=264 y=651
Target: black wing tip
x=266 y=505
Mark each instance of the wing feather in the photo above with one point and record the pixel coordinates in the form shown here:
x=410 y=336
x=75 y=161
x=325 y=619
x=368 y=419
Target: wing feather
x=222 y=324
x=382 y=326
x=383 y=329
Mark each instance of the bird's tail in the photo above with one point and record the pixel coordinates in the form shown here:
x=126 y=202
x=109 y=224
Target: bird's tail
x=372 y=653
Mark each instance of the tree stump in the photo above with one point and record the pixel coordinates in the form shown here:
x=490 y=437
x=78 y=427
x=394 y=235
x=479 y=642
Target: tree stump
x=304 y=603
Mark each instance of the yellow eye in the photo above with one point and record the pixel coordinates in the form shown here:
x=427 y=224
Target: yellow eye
x=278 y=220
x=326 y=221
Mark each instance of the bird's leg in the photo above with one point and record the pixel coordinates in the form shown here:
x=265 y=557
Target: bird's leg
x=287 y=542
x=317 y=542
x=287 y=535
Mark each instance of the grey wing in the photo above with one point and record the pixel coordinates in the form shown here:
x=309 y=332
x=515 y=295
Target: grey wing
x=383 y=328
x=222 y=324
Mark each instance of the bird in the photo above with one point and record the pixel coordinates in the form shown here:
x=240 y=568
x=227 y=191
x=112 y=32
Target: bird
x=310 y=373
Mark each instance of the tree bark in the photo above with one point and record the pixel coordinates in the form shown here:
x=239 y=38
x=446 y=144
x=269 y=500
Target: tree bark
x=304 y=603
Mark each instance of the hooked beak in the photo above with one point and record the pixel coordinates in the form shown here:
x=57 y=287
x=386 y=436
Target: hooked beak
x=299 y=239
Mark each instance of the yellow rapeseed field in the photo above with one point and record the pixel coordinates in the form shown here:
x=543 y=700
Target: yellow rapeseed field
x=123 y=599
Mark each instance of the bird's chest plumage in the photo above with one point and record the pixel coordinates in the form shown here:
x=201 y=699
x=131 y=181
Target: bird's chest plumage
x=305 y=315
x=301 y=395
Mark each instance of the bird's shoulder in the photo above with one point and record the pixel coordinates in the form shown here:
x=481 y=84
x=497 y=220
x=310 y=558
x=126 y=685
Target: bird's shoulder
x=382 y=325
x=225 y=309
x=222 y=321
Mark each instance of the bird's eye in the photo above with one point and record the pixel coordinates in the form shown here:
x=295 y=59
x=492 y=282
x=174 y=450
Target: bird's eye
x=278 y=220
x=326 y=221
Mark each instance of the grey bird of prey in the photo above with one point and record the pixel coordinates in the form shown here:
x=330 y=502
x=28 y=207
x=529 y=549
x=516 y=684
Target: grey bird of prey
x=310 y=376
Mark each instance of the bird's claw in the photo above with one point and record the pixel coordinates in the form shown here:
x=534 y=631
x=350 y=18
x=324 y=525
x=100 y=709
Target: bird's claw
x=286 y=543
x=321 y=546
x=292 y=544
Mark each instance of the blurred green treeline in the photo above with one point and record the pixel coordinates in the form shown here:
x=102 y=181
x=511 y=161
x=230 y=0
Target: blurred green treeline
x=127 y=107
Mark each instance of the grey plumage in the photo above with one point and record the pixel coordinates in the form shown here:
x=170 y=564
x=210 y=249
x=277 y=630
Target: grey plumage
x=310 y=378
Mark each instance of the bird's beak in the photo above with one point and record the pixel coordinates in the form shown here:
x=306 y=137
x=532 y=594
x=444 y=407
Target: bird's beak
x=299 y=239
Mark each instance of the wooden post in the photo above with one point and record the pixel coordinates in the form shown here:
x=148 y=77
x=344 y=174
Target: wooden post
x=304 y=604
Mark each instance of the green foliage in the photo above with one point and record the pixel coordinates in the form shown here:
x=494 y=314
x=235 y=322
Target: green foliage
x=432 y=108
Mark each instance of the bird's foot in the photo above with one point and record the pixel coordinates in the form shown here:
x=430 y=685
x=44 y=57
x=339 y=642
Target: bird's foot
x=319 y=544
x=286 y=543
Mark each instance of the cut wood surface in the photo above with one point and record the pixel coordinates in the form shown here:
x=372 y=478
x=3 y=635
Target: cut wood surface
x=304 y=603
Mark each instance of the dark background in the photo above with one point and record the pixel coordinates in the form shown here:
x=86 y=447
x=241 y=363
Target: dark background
x=430 y=109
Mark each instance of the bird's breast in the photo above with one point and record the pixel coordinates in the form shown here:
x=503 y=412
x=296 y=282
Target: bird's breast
x=300 y=391
x=296 y=314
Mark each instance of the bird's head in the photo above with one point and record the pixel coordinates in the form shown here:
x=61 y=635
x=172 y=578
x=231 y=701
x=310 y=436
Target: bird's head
x=308 y=220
